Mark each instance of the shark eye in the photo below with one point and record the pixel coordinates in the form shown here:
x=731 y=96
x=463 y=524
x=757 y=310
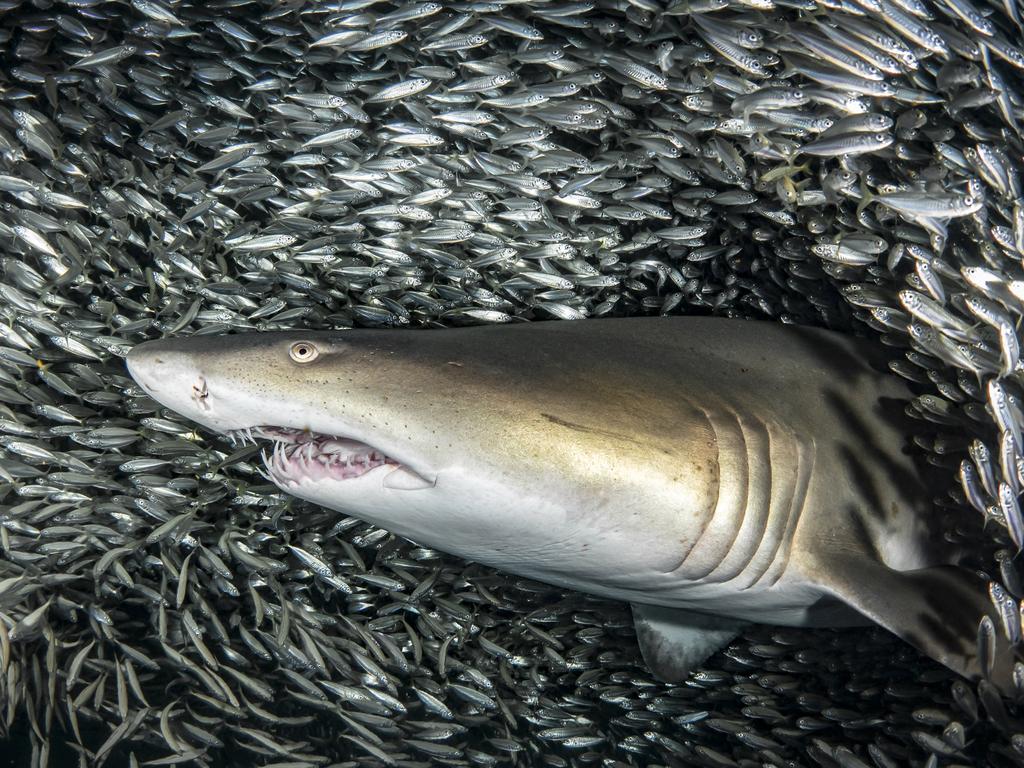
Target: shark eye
x=304 y=352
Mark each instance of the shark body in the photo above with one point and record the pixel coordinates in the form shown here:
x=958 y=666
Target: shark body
x=711 y=472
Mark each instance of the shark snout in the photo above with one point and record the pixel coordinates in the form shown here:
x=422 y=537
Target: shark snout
x=170 y=376
x=154 y=366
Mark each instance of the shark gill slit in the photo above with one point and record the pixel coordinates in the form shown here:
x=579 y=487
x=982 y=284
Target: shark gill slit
x=785 y=476
x=750 y=531
x=717 y=486
x=730 y=507
x=805 y=467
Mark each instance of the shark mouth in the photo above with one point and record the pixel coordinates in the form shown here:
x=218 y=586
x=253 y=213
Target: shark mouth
x=300 y=455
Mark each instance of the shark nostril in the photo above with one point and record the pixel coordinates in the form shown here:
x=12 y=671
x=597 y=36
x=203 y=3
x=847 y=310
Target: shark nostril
x=200 y=393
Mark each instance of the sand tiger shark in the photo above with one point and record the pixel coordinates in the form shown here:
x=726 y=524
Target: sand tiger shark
x=710 y=472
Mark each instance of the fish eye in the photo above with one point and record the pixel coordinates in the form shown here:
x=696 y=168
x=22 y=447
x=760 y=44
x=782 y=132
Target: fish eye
x=880 y=136
x=969 y=200
x=303 y=352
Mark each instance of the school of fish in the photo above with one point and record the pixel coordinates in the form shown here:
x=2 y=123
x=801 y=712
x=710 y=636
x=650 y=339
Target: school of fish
x=169 y=168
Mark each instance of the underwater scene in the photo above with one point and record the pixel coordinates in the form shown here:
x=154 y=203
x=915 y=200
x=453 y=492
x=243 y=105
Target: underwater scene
x=508 y=383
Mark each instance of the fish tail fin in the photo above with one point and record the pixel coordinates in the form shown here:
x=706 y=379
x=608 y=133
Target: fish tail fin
x=937 y=610
x=791 y=68
x=866 y=198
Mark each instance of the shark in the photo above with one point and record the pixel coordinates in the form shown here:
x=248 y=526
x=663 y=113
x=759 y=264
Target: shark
x=711 y=472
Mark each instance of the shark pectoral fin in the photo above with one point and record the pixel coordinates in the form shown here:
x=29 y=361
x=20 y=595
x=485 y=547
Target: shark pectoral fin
x=937 y=610
x=674 y=642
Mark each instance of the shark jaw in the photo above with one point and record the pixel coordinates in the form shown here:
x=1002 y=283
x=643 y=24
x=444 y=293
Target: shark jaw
x=302 y=457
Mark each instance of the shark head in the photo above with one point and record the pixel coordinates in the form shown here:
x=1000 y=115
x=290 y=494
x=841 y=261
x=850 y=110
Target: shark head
x=487 y=443
x=334 y=413
x=316 y=397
